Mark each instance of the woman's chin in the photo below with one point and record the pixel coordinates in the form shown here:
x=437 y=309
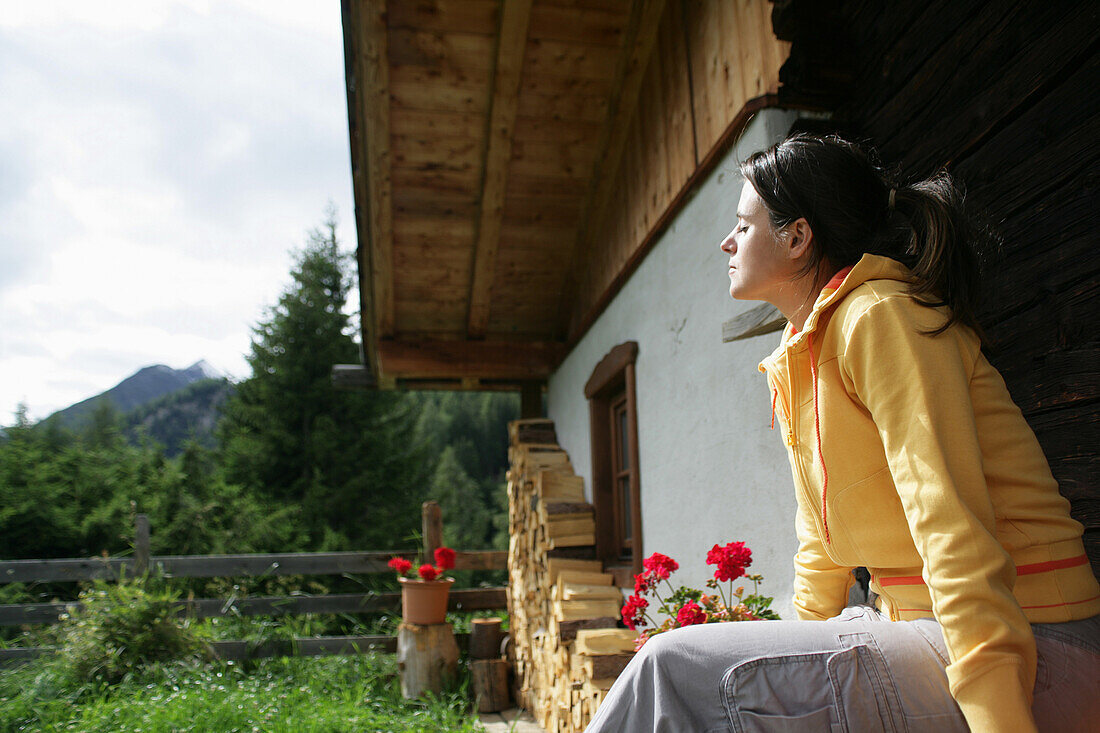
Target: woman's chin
x=739 y=293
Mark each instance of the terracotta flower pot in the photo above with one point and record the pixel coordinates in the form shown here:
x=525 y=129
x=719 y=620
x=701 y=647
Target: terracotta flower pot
x=424 y=602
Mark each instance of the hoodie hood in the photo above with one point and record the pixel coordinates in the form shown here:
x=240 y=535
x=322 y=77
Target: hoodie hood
x=869 y=267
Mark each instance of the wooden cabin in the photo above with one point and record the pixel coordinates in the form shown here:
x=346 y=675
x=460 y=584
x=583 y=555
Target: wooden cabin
x=541 y=187
x=516 y=165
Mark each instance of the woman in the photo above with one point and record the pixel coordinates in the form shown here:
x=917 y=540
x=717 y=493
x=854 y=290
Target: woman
x=909 y=458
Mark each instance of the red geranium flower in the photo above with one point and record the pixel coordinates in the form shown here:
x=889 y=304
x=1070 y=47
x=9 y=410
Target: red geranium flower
x=428 y=572
x=691 y=613
x=445 y=558
x=400 y=565
x=633 y=611
x=661 y=566
x=642 y=583
x=731 y=559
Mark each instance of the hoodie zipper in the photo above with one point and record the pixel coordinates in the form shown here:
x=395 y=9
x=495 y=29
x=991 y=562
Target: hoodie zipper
x=793 y=442
x=786 y=399
x=784 y=403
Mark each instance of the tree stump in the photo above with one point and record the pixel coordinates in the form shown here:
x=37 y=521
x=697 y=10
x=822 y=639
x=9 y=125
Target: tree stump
x=489 y=681
x=485 y=638
x=427 y=658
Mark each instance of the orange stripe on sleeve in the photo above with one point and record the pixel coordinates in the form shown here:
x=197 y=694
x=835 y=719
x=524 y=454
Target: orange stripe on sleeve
x=1029 y=569
x=902 y=580
x=1042 y=567
x=1066 y=603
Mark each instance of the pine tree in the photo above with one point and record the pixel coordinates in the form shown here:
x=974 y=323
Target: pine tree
x=468 y=432
x=347 y=459
x=34 y=513
x=466 y=518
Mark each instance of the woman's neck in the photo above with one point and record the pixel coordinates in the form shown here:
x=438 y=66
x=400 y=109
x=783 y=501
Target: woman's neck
x=802 y=295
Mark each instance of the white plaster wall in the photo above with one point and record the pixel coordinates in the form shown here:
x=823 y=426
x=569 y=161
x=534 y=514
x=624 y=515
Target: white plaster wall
x=711 y=469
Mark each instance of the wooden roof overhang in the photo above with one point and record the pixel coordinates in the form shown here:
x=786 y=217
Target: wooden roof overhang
x=513 y=160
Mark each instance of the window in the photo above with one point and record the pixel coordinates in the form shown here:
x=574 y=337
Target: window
x=616 y=486
x=620 y=473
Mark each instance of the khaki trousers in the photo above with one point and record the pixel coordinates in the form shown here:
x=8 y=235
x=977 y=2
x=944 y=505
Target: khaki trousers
x=857 y=672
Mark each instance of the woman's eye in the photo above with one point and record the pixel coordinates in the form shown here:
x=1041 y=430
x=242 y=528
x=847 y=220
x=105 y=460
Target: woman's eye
x=742 y=230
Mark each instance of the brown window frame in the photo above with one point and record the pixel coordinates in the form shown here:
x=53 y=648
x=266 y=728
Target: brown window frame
x=611 y=386
x=618 y=415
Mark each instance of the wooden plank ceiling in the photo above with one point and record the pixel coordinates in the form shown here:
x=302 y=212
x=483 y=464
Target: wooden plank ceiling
x=486 y=140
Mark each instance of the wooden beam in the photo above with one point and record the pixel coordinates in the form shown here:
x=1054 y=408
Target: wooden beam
x=638 y=42
x=705 y=167
x=373 y=102
x=764 y=318
x=353 y=376
x=530 y=405
x=353 y=72
x=514 y=20
x=438 y=359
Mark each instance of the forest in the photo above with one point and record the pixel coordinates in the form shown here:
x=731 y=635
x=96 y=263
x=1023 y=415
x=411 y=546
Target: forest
x=296 y=464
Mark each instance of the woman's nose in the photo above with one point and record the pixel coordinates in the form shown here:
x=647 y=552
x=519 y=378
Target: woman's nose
x=727 y=244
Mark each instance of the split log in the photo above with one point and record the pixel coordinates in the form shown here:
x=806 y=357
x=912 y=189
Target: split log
x=427 y=658
x=489 y=682
x=485 y=638
x=574 y=610
x=605 y=641
x=605 y=665
x=586 y=552
x=557 y=589
x=556 y=565
x=557 y=486
x=567 y=630
x=534 y=430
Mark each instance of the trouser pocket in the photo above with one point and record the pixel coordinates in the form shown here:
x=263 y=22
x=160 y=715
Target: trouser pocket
x=823 y=691
x=820 y=721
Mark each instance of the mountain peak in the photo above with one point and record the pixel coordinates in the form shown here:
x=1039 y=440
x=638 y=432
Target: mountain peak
x=203 y=367
x=141 y=387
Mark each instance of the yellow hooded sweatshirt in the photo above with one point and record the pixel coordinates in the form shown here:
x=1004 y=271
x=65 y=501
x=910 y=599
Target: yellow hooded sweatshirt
x=910 y=458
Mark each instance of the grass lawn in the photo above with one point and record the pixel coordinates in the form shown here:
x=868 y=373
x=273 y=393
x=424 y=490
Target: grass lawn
x=353 y=693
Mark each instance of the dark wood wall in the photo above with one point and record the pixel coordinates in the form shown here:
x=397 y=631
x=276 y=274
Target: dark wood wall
x=1004 y=94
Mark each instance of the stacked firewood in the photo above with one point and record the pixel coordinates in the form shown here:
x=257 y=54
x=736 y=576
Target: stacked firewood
x=563 y=608
x=599 y=655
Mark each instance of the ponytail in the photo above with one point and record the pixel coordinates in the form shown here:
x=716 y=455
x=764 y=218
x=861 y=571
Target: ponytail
x=943 y=245
x=854 y=208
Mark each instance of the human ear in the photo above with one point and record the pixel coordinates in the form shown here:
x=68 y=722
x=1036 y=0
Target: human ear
x=801 y=238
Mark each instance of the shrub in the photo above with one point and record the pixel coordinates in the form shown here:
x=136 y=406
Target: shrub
x=121 y=628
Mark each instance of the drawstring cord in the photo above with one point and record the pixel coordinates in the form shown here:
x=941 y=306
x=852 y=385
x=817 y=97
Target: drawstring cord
x=833 y=285
x=817 y=433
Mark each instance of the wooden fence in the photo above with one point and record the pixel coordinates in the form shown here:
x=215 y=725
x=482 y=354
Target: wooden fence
x=259 y=566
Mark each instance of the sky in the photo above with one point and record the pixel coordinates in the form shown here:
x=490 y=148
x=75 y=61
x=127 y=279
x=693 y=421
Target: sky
x=160 y=161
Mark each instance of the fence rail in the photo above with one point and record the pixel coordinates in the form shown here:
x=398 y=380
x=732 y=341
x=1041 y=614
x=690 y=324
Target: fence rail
x=227 y=566
x=468 y=599
x=255 y=565
x=240 y=651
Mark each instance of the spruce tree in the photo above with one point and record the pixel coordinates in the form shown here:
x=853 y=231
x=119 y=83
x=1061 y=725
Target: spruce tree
x=468 y=433
x=466 y=519
x=346 y=458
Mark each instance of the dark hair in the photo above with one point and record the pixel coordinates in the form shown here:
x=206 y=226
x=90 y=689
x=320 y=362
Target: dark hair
x=855 y=207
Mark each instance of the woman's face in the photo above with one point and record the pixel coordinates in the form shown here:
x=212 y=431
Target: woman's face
x=760 y=267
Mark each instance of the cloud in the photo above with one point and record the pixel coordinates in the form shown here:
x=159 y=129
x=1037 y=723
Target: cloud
x=160 y=161
x=112 y=16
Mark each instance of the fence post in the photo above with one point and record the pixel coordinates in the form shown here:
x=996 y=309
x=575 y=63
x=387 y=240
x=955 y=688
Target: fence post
x=432 y=529
x=141 y=545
